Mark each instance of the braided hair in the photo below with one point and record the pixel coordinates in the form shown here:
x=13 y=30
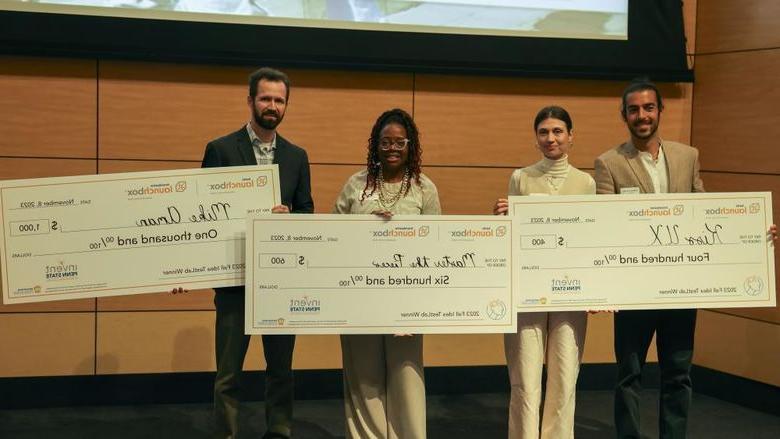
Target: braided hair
x=374 y=165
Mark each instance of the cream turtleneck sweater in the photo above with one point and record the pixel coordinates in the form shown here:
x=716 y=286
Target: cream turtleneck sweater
x=551 y=177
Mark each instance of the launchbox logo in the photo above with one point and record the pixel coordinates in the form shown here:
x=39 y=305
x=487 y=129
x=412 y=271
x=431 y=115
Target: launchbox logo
x=654 y=212
x=735 y=210
x=151 y=190
x=478 y=232
x=233 y=185
x=396 y=232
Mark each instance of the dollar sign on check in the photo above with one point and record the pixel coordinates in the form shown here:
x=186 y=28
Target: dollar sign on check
x=54 y=225
x=560 y=240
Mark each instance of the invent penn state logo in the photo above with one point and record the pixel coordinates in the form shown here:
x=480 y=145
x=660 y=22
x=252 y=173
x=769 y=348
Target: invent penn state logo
x=280 y=321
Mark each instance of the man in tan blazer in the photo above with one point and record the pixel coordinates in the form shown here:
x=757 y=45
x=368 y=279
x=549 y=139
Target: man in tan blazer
x=647 y=164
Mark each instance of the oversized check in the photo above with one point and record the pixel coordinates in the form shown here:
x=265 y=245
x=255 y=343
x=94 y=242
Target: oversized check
x=651 y=251
x=141 y=232
x=357 y=274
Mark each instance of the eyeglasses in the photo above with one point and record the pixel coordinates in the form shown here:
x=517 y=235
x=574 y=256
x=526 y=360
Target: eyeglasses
x=398 y=144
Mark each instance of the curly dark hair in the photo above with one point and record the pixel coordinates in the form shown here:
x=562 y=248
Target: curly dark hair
x=373 y=164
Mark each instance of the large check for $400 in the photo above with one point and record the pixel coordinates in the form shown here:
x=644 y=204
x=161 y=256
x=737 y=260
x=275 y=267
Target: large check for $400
x=358 y=274
x=141 y=232
x=651 y=251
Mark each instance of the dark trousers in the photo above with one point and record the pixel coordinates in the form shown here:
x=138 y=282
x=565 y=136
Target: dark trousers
x=231 y=347
x=674 y=331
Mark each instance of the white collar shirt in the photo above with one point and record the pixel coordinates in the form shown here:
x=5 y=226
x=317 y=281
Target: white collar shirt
x=657 y=169
x=264 y=151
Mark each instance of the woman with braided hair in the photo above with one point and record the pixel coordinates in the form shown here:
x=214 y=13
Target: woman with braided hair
x=384 y=386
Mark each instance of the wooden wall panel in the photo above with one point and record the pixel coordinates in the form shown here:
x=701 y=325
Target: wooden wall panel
x=734 y=120
x=315 y=352
x=689 y=21
x=728 y=25
x=115 y=166
x=469 y=191
x=738 y=346
x=47 y=344
x=327 y=182
x=167 y=111
x=48 y=107
x=463 y=350
x=18 y=168
x=80 y=305
x=160 y=342
x=195 y=300
x=720 y=182
x=152 y=342
x=470 y=121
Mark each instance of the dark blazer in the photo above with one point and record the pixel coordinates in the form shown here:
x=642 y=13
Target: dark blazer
x=235 y=149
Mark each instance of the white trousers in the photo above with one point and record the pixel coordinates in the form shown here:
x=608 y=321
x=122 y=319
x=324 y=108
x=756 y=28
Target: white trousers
x=384 y=386
x=557 y=338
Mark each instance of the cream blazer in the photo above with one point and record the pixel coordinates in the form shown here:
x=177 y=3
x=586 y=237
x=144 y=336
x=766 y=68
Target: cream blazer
x=621 y=168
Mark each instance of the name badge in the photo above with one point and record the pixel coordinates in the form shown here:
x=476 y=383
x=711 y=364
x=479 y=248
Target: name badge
x=630 y=190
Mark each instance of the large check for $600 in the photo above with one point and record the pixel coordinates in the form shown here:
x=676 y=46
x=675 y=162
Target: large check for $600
x=358 y=274
x=140 y=232
x=649 y=251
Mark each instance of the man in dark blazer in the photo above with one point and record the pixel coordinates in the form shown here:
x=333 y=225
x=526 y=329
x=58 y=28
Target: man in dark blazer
x=647 y=164
x=258 y=143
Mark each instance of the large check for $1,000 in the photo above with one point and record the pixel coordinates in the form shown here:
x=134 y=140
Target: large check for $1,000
x=648 y=251
x=358 y=274
x=141 y=232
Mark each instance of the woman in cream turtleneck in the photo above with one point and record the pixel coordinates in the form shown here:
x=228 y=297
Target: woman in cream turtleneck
x=557 y=337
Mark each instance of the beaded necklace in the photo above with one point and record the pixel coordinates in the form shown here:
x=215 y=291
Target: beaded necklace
x=388 y=199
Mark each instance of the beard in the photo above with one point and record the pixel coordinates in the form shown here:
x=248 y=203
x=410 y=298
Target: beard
x=653 y=128
x=268 y=124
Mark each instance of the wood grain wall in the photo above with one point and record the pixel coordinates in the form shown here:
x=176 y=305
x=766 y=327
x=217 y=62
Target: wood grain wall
x=737 y=58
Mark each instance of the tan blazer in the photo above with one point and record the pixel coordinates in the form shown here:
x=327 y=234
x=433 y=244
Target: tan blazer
x=621 y=167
